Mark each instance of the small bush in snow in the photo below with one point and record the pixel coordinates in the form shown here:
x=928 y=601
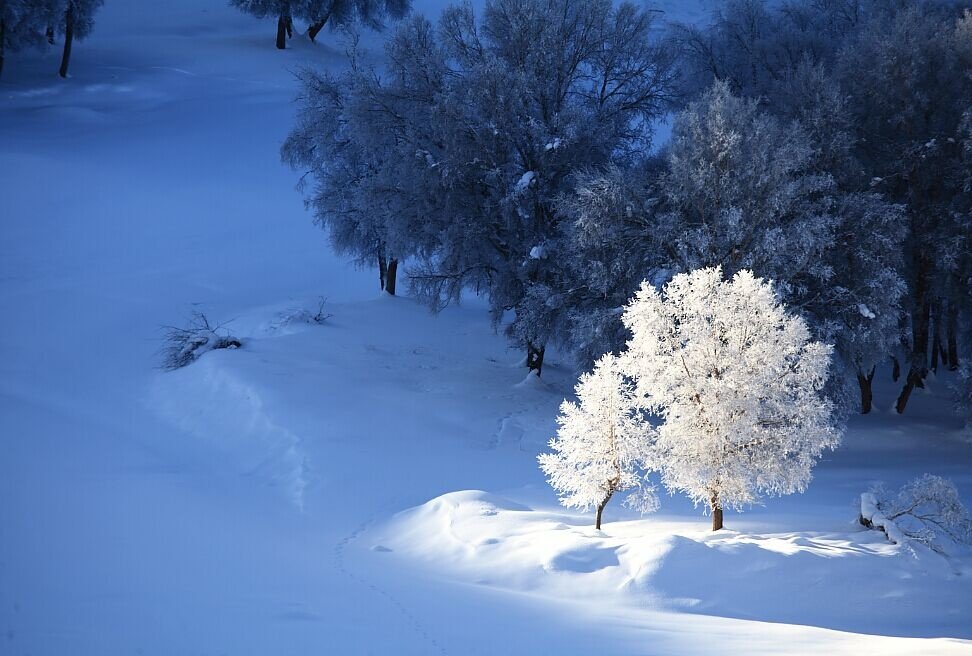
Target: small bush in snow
x=303 y=315
x=602 y=444
x=185 y=345
x=927 y=510
x=735 y=384
x=321 y=315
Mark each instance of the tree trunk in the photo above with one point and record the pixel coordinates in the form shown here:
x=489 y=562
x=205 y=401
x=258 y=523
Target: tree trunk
x=68 y=39
x=534 y=360
x=600 y=510
x=936 y=336
x=951 y=336
x=283 y=28
x=914 y=380
x=716 y=512
x=867 y=396
x=920 y=320
x=391 y=276
x=895 y=369
x=316 y=28
x=382 y=269
x=3 y=36
x=920 y=332
x=49 y=33
x=919 y=355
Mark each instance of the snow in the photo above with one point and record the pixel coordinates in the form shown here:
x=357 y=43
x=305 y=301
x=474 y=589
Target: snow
x=523 y=184
x=275 y=499
x=870 y=512
x=669 y=571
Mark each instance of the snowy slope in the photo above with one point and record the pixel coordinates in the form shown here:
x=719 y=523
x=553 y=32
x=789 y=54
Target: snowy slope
x=257 y=502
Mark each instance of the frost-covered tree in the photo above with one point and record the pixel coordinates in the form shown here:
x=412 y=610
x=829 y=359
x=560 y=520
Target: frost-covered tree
x=456 y=153
x=329 y=146
x=319 y=13
x=741 y=45
x=962 y=302
x=776 y=180
x=753 y=44
x=283 y=10
x=887 y=85
x=908 y=74
x=359 y=142
x=532 y=91
x=859 y=311
x=737 y=187
x=75 y=22
x=859 y=307
x=747 y=190
x=25 y=23
x=927 y=510
x=610 y=220
x=602 y=446
x=962 y=393
x=741 y=192
x=341 y=13
x=735 y=384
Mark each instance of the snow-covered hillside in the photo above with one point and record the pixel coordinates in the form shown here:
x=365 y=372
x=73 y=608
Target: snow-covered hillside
x=366 y=485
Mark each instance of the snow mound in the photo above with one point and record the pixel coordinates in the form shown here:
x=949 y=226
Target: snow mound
x=870 y=585
x=531 y=381
x=488 y=503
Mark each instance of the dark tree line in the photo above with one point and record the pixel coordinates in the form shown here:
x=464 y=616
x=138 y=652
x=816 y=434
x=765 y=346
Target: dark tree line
x=458 y=155
x=901 y=71
x=321 y=13
x=822 y=143
x=38 y=23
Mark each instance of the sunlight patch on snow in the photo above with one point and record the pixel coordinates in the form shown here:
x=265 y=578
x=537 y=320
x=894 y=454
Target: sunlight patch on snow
x=874 y=586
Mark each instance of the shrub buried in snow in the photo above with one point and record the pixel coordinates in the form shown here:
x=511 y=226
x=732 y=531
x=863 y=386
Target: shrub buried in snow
x=183 y=346
x=928 y=510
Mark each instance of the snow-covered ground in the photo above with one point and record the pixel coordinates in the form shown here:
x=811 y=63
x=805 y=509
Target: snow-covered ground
x=318 y=490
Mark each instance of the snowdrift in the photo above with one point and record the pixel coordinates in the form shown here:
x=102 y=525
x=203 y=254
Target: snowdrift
x=852 y=581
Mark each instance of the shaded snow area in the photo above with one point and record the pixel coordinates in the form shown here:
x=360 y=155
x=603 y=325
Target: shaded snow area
x=315 y=491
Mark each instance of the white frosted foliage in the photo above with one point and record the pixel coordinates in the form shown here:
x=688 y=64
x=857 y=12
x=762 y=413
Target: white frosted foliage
x=928 y=510
x=735 y=386
x=602 y=443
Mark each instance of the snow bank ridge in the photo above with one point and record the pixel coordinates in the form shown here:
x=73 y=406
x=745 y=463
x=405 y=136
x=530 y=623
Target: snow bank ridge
x=215 y=403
